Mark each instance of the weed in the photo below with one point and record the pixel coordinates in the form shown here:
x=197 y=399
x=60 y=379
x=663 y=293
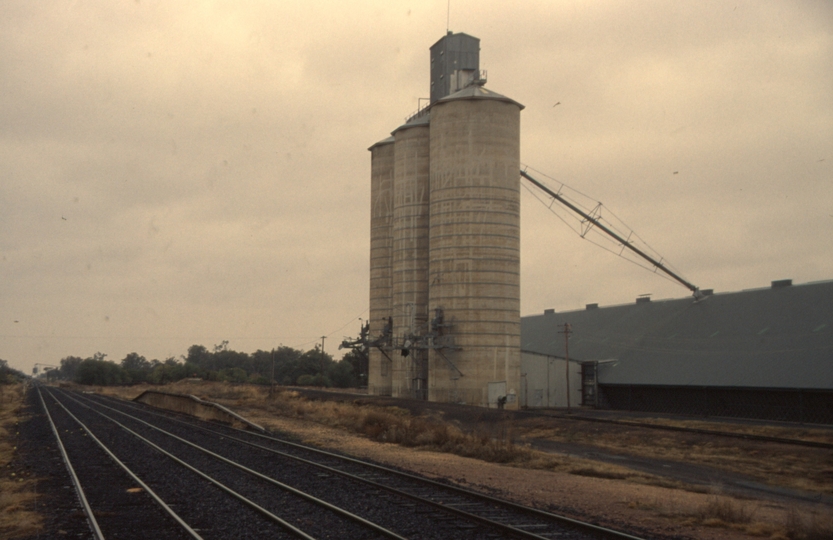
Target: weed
x=723 y=510
x=812 y=527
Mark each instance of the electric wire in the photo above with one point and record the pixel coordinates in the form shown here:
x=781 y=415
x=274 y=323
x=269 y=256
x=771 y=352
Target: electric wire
x=622 y=229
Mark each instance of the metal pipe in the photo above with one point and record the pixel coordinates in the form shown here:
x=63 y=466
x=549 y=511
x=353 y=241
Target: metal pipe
x=618 y=238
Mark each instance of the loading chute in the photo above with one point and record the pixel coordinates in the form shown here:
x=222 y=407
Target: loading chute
x=592 y=220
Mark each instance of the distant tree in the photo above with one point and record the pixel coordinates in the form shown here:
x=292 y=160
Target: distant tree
x=68 y=367
x=169 y=371
x=358 y=361
x=342 y=375
x=97 y=371
x=314 y=362
x=313 y=380
x=137 y=367
x=9 y=375
x=287 y=365
x=237 y=375
x=261 y=365
x=199 y=356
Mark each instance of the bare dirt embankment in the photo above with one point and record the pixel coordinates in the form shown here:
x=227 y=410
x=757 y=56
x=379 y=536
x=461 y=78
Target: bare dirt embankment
x=474 y=449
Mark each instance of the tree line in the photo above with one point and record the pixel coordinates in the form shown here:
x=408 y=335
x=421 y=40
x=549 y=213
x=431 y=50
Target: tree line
x=9 y=375
x=287 y=366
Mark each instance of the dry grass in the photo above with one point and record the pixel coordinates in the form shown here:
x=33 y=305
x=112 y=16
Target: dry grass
x=785 y=432
x=396 y=426
x=493 y=443
x=745 y=517
x=17 y=495
x=794 y=467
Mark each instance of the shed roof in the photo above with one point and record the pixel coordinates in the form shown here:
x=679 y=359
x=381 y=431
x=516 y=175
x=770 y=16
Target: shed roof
x=779 y=337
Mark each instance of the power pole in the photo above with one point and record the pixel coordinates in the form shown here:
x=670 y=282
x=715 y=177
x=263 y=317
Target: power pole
x=322 y=359
x=272 y=382
x=568 y=329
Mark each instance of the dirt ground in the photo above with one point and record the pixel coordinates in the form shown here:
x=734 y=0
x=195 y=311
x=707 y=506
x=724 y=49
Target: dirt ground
x=611 y=495
x=619 y=504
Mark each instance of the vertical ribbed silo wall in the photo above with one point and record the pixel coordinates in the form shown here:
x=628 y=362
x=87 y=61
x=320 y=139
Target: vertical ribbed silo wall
x=474 y=253
x=381 y=241
x=410 y=255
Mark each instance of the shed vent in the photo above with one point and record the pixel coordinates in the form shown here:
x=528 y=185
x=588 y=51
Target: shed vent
x=707 y=292
x=592 y=306
x=643 y=299
x=781 y=283
x=549 y=312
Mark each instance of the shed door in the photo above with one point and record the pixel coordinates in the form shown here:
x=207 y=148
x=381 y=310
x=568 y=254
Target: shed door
x=496 y=390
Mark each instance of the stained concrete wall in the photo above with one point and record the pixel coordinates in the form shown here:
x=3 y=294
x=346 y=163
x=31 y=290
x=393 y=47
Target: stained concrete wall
x=474 y=248
x=410 y=255
x=381 y=243
x=194 y=406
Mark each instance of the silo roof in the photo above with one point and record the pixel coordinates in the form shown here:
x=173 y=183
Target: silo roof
x=778 y=337
x=383 y=142
x=476 y=91
x=423 y=119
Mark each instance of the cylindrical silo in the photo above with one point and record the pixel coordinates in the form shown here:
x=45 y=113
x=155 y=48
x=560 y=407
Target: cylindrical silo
x=381 y=241
x=474 y=247
x=410 y=258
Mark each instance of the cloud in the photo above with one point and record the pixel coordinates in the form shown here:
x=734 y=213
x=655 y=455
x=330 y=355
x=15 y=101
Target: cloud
x=177 y=173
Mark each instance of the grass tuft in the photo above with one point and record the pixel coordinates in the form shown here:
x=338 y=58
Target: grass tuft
x=722 y=511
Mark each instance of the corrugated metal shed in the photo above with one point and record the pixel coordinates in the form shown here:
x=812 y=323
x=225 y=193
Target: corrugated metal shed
x=778 y=337
x=451 y=53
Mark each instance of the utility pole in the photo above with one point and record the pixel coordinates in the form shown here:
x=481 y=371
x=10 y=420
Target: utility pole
x=272 y=381
x=568 y=329
x=322 y=359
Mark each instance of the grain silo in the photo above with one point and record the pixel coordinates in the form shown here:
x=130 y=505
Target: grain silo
x=410 y=257
x=474 y=254
x=381 y=241
x=445 y=242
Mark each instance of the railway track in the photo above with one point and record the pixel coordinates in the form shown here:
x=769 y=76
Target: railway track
x=311 y=493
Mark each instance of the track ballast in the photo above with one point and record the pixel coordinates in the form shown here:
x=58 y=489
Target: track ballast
x=290 y=490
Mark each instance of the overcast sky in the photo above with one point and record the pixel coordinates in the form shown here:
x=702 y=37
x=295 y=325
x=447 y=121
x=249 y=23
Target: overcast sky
x=179 y=173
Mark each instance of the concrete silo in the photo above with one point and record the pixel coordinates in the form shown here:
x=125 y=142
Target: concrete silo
x=410 y=257
x=445 y=242
x=381 y=242
x=474 y=253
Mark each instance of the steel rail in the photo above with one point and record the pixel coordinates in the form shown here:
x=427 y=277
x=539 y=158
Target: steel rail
x=609 y=232
x=699 y=431
x=281 y=485
x=500 y=502
x=441 y=506
x=493 y=500
x=223 y=487
x=75 y=481
x=132 y=475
